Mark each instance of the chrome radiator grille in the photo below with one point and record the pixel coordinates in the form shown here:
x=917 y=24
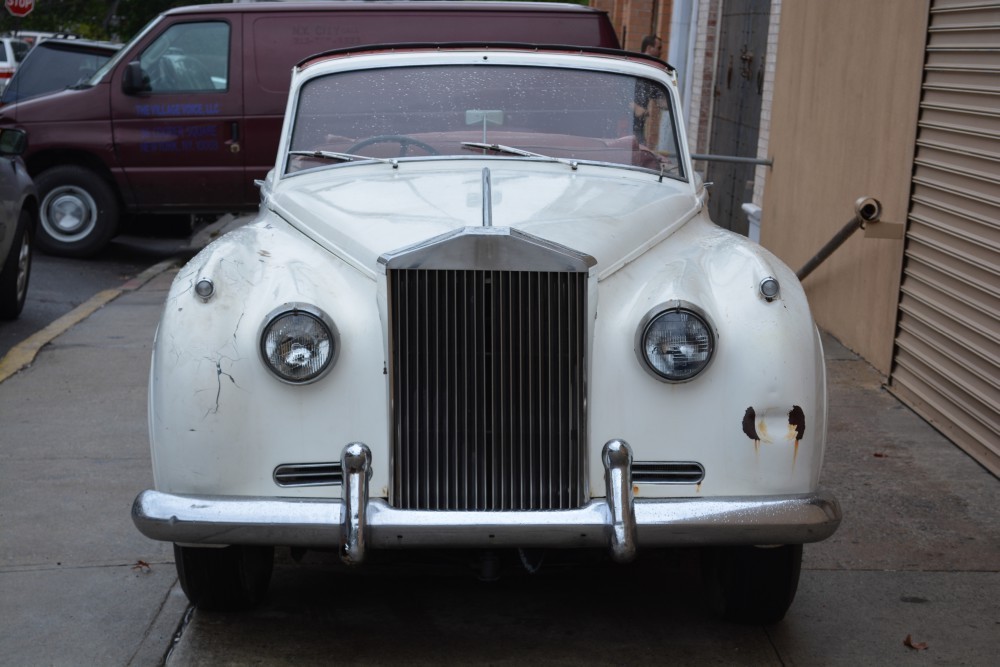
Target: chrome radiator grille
x=487 y=374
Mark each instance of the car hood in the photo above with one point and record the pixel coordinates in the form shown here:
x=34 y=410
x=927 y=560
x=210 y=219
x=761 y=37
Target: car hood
x=362 y=211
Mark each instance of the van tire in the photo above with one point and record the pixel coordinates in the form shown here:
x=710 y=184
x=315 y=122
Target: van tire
x=79 y=211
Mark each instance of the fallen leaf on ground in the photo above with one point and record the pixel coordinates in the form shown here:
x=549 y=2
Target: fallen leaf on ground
x=142 y=565
x=918 y=646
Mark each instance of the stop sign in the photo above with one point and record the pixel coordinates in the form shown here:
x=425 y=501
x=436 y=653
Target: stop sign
x=20 y=7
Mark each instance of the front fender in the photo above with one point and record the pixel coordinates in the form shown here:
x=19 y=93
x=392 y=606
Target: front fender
x=218 y=418
x=755 y=418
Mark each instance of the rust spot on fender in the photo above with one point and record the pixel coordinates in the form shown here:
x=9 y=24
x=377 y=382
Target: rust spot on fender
x=756 y=428
x=749 y=424
x=797 y=418
x=797 y=423
x=750 y=427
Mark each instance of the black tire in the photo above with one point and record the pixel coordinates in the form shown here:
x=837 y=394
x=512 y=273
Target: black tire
x=16 y=270
x=753 y=585
x=225 y=579
x=79 y=211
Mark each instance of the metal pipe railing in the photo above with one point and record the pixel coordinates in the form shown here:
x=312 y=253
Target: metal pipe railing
x=732 y=158
x=866 y=209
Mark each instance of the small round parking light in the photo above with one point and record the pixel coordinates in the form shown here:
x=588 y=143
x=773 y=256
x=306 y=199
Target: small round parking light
x=204 y=288
x=769 y=288
x=299 y=343
x=675 y=344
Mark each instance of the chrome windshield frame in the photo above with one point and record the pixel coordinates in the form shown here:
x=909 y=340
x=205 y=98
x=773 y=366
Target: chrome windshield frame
x=678 y=169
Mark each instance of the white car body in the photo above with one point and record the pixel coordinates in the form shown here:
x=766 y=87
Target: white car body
x=753 y=421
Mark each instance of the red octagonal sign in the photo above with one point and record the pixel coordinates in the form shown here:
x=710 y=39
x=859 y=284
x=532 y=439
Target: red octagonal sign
x=20 y=7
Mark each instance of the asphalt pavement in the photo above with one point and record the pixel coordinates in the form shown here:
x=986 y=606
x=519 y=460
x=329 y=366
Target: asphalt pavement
x=910 y=578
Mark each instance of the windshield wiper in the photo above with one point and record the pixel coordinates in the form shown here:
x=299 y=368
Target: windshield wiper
x=344 y=157
x=500 y=148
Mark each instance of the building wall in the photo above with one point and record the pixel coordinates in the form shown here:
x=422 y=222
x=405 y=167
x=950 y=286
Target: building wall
x=843 y=122
x=634 y=19
x=841 y=99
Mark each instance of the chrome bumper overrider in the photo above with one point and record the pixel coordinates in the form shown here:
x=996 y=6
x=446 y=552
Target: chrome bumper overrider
x=355 y=522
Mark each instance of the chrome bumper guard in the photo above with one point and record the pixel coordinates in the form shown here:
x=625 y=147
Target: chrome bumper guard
x=355 y=522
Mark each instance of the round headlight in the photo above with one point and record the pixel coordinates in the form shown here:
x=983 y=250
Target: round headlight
x=298 y=343
x=675 y=344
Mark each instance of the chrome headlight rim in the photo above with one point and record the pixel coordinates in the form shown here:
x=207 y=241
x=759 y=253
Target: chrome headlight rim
x=318 y=315
x=665 y=308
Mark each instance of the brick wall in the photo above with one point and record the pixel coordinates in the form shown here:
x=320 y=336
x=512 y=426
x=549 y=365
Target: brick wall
x=704 y=57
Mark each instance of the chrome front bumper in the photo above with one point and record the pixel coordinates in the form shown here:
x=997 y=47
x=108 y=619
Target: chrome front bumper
x=355 y=522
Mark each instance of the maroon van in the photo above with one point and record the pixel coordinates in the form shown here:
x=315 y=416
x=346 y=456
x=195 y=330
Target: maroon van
x=187 y=115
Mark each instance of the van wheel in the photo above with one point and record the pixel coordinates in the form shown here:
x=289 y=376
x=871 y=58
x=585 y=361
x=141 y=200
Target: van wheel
x=752 y=584
x=224 y=579
x=79 y=211
x=16 y=270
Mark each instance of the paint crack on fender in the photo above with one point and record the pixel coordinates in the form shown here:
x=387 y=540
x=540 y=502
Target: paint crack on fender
x=217 y=362
x=219 y=374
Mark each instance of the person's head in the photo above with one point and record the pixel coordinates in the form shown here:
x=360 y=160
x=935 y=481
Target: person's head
x=652 y=45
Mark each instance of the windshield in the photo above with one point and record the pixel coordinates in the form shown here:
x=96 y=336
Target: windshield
x=50 y=67
x=505 y=111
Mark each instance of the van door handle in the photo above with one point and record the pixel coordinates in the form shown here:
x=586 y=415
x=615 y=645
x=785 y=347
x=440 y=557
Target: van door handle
x=234 y=137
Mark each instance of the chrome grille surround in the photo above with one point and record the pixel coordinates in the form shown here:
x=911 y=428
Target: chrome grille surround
x=487 y=368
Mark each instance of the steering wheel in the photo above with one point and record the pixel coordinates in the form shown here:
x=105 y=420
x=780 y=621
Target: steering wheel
x=166 y=75
x=404 y=144
x=198 y=74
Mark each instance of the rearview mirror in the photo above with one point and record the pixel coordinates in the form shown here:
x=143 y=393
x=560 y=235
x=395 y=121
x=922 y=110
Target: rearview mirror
x=491 y=116
x=484 y=116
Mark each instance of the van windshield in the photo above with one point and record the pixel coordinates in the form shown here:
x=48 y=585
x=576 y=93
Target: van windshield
x=494 y=110
x=125 y=51
x=52 y=66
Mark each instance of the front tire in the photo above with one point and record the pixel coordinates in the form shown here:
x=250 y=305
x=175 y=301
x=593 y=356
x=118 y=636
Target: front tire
x=16 y=270
x=754 y=585
x=224 y=579
x=79 y=211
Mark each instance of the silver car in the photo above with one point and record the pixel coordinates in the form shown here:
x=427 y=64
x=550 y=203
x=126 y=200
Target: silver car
x=18 y=218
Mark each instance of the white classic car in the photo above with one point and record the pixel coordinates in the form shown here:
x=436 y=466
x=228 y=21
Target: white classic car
x=483 y=307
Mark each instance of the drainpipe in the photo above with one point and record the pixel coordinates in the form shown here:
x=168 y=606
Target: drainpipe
x=767 y=162
x=866 y=209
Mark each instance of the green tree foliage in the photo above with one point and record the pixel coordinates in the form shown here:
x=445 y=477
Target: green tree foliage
x=116 y=20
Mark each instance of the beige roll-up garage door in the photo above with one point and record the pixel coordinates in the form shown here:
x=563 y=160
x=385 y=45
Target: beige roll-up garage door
x=947 y=357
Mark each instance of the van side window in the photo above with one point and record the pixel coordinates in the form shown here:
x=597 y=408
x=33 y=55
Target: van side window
x=189 y=57
x=20 y=50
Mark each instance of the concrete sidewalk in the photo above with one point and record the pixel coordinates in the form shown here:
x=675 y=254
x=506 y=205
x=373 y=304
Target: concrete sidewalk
x=917 y=555
x=80 y=586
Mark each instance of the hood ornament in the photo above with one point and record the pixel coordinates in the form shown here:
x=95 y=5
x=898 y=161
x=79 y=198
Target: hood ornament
x=487 y=199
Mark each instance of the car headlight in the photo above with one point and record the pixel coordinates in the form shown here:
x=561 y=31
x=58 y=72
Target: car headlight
x=675 y=342
x=299 y=343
